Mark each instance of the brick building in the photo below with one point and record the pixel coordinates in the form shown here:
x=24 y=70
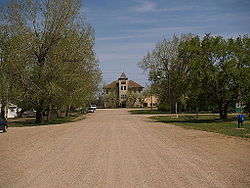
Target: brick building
x=123 y=93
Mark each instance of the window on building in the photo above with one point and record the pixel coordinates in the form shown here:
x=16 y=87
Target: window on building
x=121 y=87
x=125 y=88
x=123 y=96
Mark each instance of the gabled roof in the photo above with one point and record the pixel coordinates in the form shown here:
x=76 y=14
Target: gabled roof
x=111 y=85
x=133 y=84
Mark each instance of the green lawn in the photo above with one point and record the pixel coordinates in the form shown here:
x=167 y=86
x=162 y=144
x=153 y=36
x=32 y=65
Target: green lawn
x=209 y=123
x=155 y=111
x=148 y=111
x=26 y=122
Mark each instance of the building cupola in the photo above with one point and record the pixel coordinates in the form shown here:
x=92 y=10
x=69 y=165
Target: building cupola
x=123 y=77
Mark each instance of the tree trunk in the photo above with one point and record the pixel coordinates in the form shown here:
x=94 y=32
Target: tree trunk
x=2 y=111
x=67 y=111
x=223 y=110
x=39 y=116
x=58 y=113
x=247 y=109
x=3 y=108
x=48 y=114
x=197 y=112
x=169 y=95
x=225 y=114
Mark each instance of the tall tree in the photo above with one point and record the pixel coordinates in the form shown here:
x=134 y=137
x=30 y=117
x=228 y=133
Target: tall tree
x=203 y=74
x=240 y=60
x=60 y=66
x=166 y=71
x=215 y=71
x=10 y=60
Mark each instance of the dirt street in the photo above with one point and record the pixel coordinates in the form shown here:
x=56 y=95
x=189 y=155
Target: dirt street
x=112 y=148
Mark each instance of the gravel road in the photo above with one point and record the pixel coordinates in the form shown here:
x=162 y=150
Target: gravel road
x=112 y=148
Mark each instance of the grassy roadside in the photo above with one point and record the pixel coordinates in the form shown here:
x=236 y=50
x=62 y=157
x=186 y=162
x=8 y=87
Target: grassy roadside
x=209 y=123
x=26 y=122
x=156 y=111
x=148 y=111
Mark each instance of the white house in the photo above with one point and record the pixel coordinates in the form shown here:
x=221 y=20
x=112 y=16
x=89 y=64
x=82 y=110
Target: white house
x=11 y=110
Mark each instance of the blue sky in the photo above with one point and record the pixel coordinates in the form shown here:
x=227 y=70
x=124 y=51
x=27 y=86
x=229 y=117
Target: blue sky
x=127 y=29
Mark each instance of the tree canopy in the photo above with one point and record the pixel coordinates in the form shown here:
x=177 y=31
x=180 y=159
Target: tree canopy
x=51 y=56
x=204 y=74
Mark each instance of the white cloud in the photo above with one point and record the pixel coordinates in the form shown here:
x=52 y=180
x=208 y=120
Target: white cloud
x=156 y=33
x=124 y=48
x=113 y=38
x=130 y=36
x=162 y=30
x=131 y=19
x=181 y=8
x=148 y=6
x=145 y=6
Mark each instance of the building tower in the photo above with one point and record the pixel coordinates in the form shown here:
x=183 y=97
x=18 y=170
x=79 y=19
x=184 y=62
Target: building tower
x=122 y=89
